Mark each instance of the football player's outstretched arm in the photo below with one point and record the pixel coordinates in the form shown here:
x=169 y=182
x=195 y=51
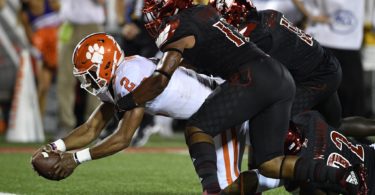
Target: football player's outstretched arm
x=122 y=137
x=85 y=133
x=156 y=83
x=116 y=142
x=91 y=129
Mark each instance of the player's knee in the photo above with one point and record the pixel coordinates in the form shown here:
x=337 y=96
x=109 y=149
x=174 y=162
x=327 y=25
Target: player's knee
x=195 y=135
x=271 y=168
x=280 y=83
x=284 y=82
x=288 y=86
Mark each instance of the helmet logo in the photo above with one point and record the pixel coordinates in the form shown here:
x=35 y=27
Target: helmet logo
x=95 y=54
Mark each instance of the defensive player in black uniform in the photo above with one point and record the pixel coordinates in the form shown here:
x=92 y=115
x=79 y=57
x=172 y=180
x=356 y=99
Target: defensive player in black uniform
x=309 y=136
x=312 y=137
x=257 y=88
x=316 y=72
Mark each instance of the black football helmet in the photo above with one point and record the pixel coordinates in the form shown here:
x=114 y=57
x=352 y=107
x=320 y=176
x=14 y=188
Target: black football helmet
x=294 y=140
x=234 y=11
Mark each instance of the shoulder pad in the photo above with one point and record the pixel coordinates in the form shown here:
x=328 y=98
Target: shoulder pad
x=167 y=33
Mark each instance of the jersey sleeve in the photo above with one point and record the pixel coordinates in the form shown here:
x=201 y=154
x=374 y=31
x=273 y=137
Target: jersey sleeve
x=132 y=73
x=175 y=28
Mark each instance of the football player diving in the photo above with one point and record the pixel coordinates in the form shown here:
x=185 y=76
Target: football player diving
x=104 y=71
x=91 y=58
x=310 y=136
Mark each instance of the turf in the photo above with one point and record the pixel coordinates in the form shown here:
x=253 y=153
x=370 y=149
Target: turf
x=123 y=173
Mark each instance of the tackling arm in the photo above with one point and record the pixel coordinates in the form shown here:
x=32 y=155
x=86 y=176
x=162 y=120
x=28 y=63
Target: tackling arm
x=119 y=140
x=156 y=83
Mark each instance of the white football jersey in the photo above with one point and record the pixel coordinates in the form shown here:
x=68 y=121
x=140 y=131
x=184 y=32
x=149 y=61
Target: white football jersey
x=183 y=96
x=185 y=93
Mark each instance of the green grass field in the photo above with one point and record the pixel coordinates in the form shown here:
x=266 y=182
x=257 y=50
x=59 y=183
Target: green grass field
x=143 y=173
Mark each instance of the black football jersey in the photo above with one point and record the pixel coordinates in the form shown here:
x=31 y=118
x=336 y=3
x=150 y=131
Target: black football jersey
x=279 y=38
x=219 y=48
x=330 y=145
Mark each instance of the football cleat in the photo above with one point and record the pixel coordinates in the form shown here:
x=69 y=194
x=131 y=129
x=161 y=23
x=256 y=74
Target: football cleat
x=245 y=184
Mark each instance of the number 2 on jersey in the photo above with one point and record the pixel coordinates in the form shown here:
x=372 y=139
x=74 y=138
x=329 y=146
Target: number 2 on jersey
x=127 y=84
x=336 y=159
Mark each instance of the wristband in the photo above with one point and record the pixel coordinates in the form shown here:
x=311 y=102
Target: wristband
x=58 y=145
x=126 y=102
x=173 y=49
x=82 y=156
x=168 y=76
x=75 y=158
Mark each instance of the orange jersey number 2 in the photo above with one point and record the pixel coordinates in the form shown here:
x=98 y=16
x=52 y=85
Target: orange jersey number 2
x=127 y=84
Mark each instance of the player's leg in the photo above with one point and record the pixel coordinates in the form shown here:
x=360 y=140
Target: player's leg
x=268 y=125
x=203 y=155
x=45 y=40
x=320 y=92
x=65 y=85
x=230 y=146
x=331 y=110
x=44 y=83
x=229 y=150
x=268 y=143
x=251 y=182
x=264 y=183
x=251 y=90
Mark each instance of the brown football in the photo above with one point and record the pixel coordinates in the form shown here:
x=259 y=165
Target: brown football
x=43 y=164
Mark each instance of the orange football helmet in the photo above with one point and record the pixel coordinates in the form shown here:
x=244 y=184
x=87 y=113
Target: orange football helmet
x=95 y=59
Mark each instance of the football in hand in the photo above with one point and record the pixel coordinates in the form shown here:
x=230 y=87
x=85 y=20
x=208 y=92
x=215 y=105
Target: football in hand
x=43 y=163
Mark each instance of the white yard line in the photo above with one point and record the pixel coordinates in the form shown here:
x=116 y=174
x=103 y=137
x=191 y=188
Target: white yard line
x=5 y=193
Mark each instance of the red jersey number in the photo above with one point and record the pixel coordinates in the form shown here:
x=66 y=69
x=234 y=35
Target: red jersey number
x=300 y=33
x=222 y=26
x=339 y=140
x=337 y=160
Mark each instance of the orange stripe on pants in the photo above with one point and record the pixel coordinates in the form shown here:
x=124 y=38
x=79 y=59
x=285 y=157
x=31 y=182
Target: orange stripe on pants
x=235 y=148
x=224 y=141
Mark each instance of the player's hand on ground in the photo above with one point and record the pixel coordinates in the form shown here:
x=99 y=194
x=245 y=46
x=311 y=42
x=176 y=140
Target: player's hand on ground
x=46 y=148
x=66 y=166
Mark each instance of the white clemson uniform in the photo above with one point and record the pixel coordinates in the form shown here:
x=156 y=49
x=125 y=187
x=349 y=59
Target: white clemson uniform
x=185 y=93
